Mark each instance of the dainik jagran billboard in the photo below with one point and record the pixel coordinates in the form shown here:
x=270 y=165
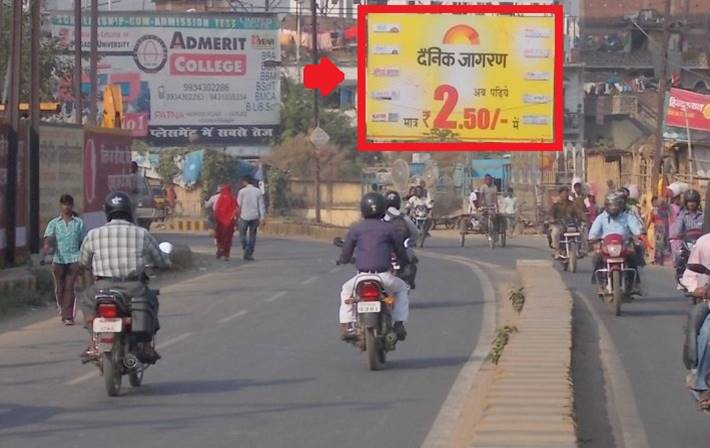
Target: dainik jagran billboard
x=188 y=77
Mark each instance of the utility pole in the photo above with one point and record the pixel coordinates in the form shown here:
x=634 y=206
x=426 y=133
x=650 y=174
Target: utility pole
x=78 y=106
x=93 y=61
x=316 y=117
x=661 y=96
x=13 y=105
x=33 y=159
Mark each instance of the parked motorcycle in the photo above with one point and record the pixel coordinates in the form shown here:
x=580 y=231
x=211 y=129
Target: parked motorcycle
x=373 y=327
x=570 y=246
x=691 y=237
x=616 y=278
x=121 y=332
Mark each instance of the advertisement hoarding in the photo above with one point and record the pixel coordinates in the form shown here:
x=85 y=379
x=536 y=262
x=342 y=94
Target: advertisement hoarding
x=188 y=77
x=688 y=109
x=461 y=77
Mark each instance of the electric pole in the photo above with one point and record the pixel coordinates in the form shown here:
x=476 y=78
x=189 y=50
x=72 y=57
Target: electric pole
x=33 y=159
x=661 y=97
x=316 y=117
x=78 y=106
x=93 y=61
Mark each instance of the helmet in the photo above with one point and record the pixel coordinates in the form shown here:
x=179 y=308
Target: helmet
x=372 y=205
x=614 y=203
x=392 y=199
x=116 y=203
x=691 y=196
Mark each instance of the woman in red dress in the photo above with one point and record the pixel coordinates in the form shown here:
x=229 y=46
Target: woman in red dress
x=225 y=214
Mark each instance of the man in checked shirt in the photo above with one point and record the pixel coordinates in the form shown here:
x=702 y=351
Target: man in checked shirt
x=117 y=254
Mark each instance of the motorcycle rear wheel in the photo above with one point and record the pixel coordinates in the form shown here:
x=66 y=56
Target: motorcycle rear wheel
x=573 y=257
x=374 y=357
x=112 y=370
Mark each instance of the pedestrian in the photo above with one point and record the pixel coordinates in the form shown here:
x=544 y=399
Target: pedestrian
x=225 y=216
x=251 y=214
x=509 y=209
x=660 y=215
x=64 y=235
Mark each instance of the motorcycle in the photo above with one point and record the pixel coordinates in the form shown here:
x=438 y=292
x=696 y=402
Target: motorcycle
x=617 y=279
x=122 y=328
x=691 y=237
x=374 y=327
x=695 y=322
x=420 y=216
x=570 y=246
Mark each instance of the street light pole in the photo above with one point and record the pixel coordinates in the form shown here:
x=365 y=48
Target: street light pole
x=78 y=106
x=316 y=118
x=33 y=159
x=661 y=97
x=93 y=62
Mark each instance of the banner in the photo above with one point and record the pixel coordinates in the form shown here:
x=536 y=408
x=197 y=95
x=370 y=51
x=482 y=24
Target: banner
x=468 y=77
x=188 y=77
x=107 y=160
x=688 y=109
x=61 y=169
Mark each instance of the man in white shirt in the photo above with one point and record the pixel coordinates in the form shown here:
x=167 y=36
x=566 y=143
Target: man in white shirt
x=509 y=208
x=251 y=214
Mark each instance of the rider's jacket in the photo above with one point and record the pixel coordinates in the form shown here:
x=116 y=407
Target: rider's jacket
x=372 y=241
x=622 y=224
x=561 y=211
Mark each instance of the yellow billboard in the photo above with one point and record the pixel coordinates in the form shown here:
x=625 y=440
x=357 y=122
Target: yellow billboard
x=463 y=77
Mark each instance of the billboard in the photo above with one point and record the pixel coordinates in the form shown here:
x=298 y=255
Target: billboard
x=61 y=169
x=188 y=77
x=688 y=109
x=471 y=74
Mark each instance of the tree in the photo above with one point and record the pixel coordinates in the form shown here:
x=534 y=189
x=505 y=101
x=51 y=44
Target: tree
x=54 y=67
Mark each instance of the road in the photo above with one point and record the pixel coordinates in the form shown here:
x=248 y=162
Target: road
x=252 y=358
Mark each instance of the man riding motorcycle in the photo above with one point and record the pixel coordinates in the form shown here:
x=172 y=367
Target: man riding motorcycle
x=690 y=218
x=117 y=253
x=579 y=196
x=614 y=220
x=420 y=200
x=407 y=231
x=373 y=241
x=562 y=211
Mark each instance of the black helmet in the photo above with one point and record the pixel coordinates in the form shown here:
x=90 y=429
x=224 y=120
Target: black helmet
x=614 y=203
x=118 y=203
x=392 y=199
x=372 y=205
x=691 y=196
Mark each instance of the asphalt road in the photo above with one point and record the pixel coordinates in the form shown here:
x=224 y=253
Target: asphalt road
x=251 y=357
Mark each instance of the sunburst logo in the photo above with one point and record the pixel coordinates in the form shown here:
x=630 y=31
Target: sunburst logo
x=706 y=111
x=461 y=35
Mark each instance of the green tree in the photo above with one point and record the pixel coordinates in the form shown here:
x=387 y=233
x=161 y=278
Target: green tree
x=54 y=65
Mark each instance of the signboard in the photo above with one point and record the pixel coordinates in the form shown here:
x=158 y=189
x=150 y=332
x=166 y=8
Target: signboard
x=107 y=160
x=688 y=109
x=435 y=73
x=188 y=77
x=61 y=163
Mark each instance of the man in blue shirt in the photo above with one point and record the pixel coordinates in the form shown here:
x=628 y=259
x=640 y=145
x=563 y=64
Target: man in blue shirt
x=373 y=241
x=64 y=235
x=614 y=220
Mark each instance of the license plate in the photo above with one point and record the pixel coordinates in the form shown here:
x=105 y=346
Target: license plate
x=368 y=307
x=615 y=260
x=104 y=325
x=572 y=234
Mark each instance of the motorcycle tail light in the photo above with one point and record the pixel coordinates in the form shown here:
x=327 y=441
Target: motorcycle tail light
x=614 y=250
x=368 y=291
x=108 y=310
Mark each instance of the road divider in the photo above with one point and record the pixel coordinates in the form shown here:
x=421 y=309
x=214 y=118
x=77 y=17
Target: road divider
x=530 y=402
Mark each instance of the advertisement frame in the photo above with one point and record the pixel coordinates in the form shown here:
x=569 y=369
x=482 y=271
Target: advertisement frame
x=417 y=146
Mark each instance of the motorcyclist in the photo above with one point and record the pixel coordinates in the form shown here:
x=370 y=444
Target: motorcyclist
x=117 y=254
x=420 y=200
x=372 y=241
x=614 y=220
x=562 y=211
x=698 y=381
x=407 y=231
x=689 y=218
x=579 y=196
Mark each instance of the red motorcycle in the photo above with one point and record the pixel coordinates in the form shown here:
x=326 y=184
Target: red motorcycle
x=617 y=279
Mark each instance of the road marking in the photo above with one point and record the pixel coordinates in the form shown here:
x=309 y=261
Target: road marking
x=95 y=373
x=440 y=434
x=276 y=296
x=621 y=403
x=232 y=317
x=334 y=270
x=308 y=281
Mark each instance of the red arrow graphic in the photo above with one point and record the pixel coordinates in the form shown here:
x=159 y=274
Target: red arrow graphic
x=325 y=76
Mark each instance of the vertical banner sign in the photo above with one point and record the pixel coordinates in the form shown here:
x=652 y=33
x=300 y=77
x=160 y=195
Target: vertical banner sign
x=467 y=78
x=61 y=168
x=189 y=77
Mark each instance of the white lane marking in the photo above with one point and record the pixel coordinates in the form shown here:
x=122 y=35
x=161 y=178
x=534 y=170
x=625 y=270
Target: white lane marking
x=232 y=317
x=441 y=431
x=334 y=270
x=95 y=373
x=308 y=281
x=276 y=296
x=627 y=425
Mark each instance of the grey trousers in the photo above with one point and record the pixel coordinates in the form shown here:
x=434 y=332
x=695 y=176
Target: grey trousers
x=131 y=289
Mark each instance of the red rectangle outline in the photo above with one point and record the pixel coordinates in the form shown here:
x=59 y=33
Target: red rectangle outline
x=558 y=117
